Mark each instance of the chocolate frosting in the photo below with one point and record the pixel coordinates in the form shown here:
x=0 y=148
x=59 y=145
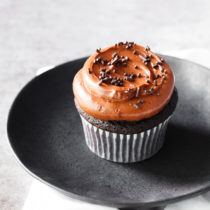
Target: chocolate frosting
x=123 y=82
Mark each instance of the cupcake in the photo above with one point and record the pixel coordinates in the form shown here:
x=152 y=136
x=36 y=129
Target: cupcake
x=125 y=96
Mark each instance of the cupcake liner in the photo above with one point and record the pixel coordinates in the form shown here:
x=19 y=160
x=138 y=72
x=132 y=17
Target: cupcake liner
x=124 y=148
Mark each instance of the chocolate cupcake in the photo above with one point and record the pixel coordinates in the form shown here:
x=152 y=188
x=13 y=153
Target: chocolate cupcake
x=125 y=96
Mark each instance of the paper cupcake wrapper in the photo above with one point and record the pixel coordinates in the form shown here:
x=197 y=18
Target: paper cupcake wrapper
x=124 y=148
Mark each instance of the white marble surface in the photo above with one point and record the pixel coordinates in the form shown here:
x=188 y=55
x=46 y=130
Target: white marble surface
x=37 y=33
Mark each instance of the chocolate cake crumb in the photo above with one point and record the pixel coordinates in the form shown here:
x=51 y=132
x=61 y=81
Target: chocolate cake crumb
x=131 y=127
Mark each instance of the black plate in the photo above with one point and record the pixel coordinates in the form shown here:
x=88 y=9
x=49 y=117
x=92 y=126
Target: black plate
x=46 y=135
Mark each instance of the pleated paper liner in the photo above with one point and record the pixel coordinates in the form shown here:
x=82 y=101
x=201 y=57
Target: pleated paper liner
x=124 y=148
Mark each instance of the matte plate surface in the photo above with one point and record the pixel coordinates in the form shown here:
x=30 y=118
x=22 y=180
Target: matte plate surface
x=46 y=135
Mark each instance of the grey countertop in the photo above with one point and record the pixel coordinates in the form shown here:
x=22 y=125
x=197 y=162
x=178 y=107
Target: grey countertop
x=37 y=33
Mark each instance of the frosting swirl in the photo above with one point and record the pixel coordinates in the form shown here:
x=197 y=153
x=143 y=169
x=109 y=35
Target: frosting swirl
x=123 y=82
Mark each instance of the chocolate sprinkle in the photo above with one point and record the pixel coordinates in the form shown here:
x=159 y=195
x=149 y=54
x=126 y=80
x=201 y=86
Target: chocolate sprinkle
x=163 y=76
x=146 y=63
x=105 y=79
x=150 y=91
x=116 y=81
x=147 y=48
x=140 y=101
x=130 y=90
x=98 y=50
x=159 y=63
x=103 y=75
x=113 y=55
x=157 y=76
x=100 y=82
x=118 y=60
x=129 y=77
x=142 y=57
x=146 y=59
x=139 y=75
x=154 y=66
x=103 y=62
x=161 y=68
x=115 y=60
x=131 y=43
x=98 y=59
x=137 y=91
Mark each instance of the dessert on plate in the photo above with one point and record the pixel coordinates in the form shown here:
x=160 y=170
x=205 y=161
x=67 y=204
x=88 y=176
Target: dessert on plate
x=125 y=96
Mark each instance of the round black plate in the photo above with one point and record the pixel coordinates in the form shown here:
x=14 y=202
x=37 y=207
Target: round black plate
x=46 y=135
